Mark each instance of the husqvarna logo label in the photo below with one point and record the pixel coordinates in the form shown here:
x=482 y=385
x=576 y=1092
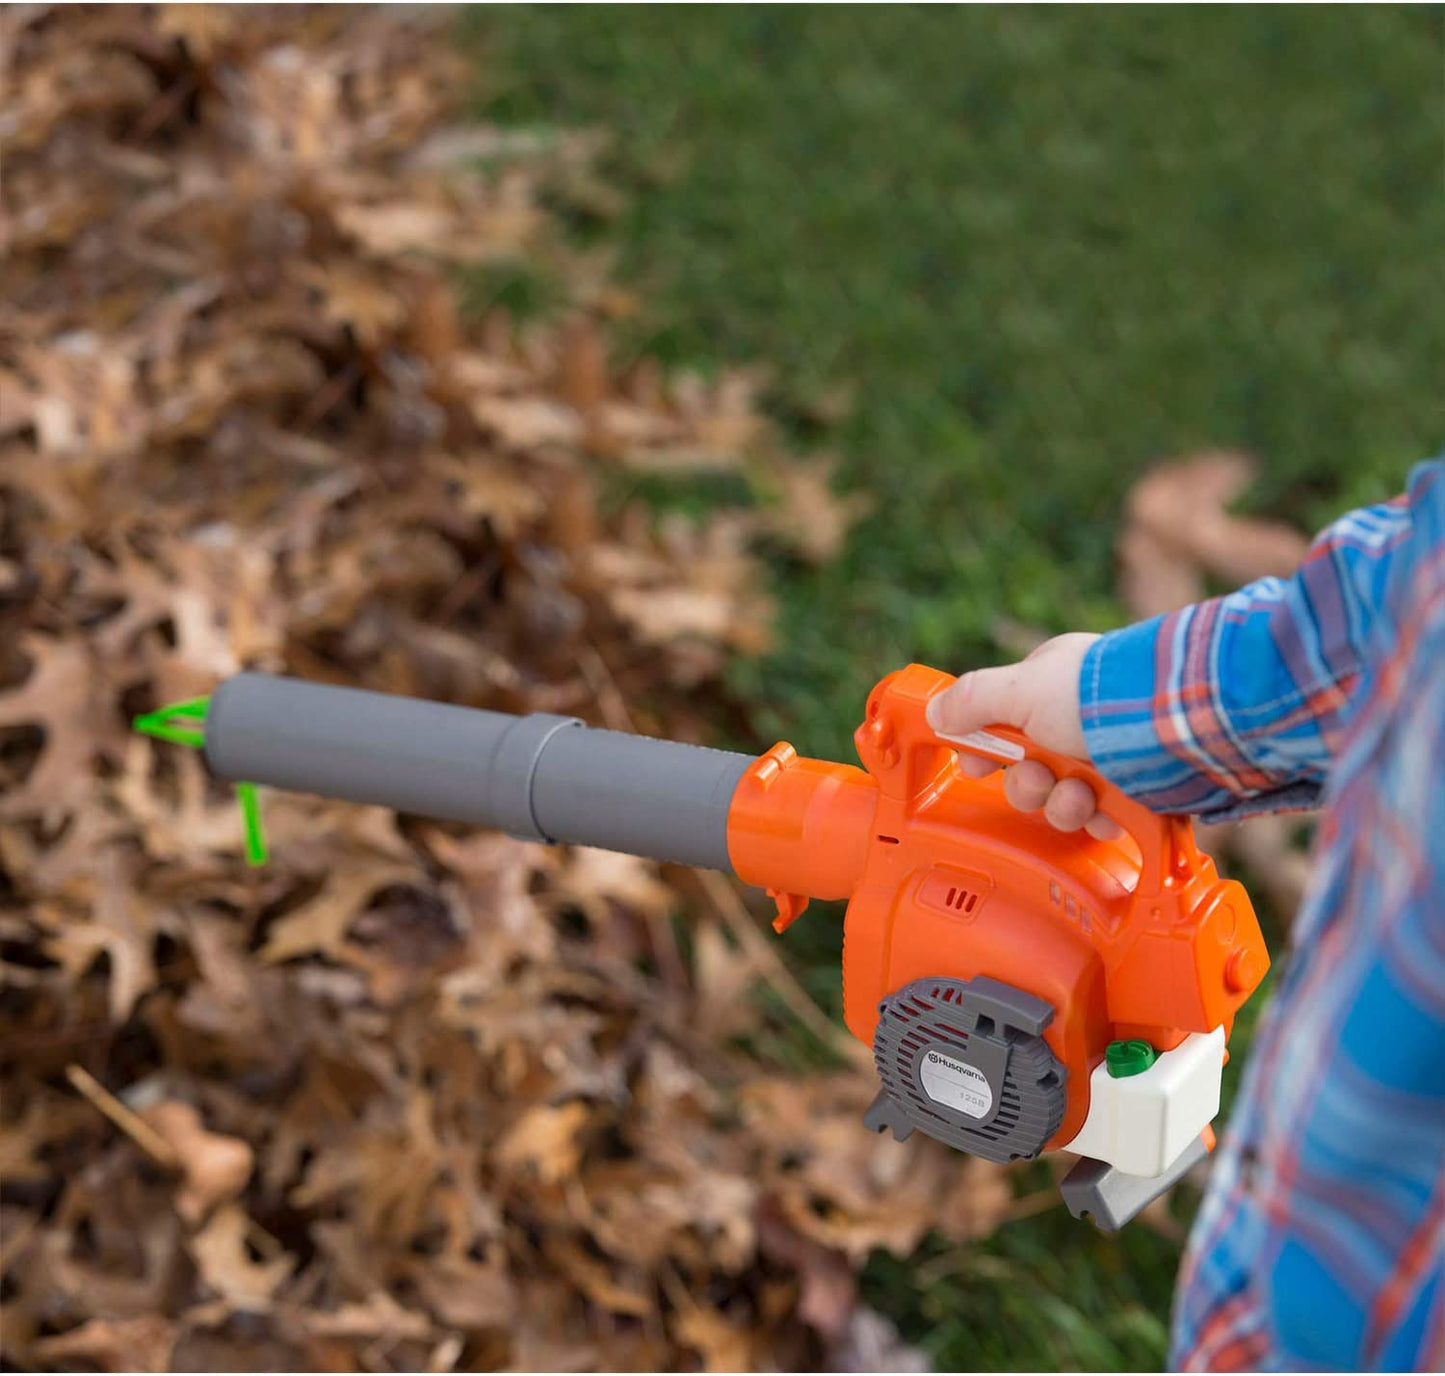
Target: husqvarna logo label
x=949 y=1081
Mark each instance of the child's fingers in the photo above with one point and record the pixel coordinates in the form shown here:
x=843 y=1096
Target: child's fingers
x=1103 y=828
x=978 y=699
x=976 y=766
x=1097 y=825
x=1068 y=804
x=1027 y=785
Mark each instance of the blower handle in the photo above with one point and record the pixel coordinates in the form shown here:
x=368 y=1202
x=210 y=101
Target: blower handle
x=1167 y=851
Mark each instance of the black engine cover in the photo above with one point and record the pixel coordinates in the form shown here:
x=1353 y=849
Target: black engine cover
x=964 y=1062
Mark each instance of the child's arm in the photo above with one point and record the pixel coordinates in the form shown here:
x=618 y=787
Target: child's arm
x=1231 y=706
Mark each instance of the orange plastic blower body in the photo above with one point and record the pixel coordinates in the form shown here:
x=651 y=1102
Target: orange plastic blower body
x=1136 y=938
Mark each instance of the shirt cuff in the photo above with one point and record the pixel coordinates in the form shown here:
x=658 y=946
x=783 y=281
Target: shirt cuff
x=1123 y=715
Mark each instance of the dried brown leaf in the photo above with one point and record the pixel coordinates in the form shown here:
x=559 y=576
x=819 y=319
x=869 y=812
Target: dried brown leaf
x=320 y=925
x=809 y=515
x=246 y=422
x=215 y=1167
x=1180 y=524
x=143 y=1343
x=546 y=1141
x=225 y=1264
x=62 y=697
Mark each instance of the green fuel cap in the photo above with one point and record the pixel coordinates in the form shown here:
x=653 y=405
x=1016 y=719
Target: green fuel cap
x=1129 y=1058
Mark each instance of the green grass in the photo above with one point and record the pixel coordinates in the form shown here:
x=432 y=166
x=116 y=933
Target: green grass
x=1041 y=248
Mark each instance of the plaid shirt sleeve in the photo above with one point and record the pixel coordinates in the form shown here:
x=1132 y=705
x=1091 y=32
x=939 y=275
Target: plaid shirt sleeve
x=1321 y=1240
x=1236 y=705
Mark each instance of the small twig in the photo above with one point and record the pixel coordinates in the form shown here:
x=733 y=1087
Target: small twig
x=958 y=1260
x=443 y=1356
x=670 y=964
x=603 y=683
x=161 y=109
x=464 y=589
x=132 y=1124
x=1035 y=1203
x=771 y=967
x=268 y=1244
x=327 y=397
x=154 y=1145
x=677 y=1292
x=1156 y=1215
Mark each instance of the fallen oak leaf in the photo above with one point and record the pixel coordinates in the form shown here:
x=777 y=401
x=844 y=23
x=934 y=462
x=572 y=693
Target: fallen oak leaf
x=466 y=1294
x=204 y=29
x=667 y=613
x=591 y=878
x=617 y=1294
x=725 y=976
x=1185 y=506
x=1153 y=577
x=723 y=1345
x=189 y=825
x=827 y=1286
x=319 y=925
x=378 y=1316
x=195 y=598
x=807 y=514
x=582 y=371
x=22 y=1144
x=526 y=423
x=121 y=926
x=225 y=1265
x=386 y=229
x=489 y=490
x=353 y=296
x=227 y=999
x=215 y=1167
x=545 y=1142
x=63 y=696
x=143 y=1343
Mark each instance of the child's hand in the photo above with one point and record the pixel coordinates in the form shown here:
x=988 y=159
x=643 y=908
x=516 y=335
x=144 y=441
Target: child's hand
x=1040 y=696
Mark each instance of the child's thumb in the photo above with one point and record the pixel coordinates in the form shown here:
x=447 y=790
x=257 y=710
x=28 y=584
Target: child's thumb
x=983 y=697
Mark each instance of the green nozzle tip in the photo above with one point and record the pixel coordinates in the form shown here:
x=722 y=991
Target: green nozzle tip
x=1129 y=1058
x=165 y=723
x=183 y=723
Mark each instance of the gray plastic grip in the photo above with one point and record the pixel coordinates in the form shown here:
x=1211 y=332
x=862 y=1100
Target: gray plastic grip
x=1110 y=1197
x=539 y=777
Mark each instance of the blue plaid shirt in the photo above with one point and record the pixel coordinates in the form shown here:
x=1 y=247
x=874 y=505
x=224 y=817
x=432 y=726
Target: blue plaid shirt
x=1321 y=1240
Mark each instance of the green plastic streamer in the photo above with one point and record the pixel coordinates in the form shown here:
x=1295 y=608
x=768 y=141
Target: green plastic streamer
x=175 y=724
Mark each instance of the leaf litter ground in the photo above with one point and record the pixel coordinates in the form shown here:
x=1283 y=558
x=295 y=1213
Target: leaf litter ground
x=410 y=1096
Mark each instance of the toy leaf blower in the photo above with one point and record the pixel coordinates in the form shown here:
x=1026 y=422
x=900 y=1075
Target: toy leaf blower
x=1022 y=989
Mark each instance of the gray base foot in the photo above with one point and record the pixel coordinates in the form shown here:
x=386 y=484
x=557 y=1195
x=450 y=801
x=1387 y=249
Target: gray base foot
x=884 y=1113
x=1109 y=1197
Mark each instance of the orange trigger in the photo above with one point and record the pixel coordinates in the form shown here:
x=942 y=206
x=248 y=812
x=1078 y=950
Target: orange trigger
x=790 y=908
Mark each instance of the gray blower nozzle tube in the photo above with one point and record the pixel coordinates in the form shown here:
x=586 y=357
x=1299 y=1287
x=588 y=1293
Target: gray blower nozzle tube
x=539 y=777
